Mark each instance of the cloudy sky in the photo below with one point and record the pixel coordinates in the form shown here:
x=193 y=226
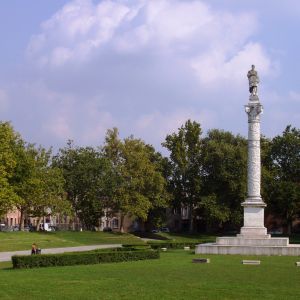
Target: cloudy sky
x=71 y=69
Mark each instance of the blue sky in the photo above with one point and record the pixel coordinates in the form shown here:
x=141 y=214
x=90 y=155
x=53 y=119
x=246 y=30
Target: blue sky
x=73 y=69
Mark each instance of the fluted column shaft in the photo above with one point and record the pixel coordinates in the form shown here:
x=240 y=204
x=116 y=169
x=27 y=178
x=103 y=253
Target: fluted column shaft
x=254 y=164
x=254 y=205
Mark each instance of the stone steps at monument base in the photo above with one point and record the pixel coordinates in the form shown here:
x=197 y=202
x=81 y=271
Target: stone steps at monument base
x=213 y=248
x=255 y=241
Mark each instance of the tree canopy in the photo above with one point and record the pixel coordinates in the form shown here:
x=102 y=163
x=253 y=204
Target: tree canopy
x=206 y=175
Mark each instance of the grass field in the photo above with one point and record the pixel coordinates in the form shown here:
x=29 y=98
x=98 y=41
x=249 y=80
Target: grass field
x=12 y=241
x=173 y=276
x=185 y=238
x=206 y=238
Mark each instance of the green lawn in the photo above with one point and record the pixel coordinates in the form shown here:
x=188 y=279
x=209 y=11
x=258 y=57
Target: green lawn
x=206 y=238
x=12 y=241
x=173 y=276
x=185 y=238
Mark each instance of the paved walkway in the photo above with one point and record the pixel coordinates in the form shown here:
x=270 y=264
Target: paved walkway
x=6 y=256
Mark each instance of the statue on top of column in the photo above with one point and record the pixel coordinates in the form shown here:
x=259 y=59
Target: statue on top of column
x=253 y=80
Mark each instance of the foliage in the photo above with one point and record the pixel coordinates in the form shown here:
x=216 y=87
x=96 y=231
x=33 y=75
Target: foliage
x=39 y=185
x=172 y=245
x=78 y=258
x=185 y=166
x=135 y=247
x=284 y=184
x=214 y=212
x=89 y=181
x=10 y=142
x=140 y=185
x=224 y=177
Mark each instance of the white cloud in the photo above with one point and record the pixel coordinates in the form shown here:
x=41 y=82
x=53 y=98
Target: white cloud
x=144 y=66
x=215 y=45
x=214 y=67
x=155 y=126
x=59 y=128
x=74 y=31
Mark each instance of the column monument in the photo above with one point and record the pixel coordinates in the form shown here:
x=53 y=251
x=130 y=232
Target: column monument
x=253 y=238
x=254 y=205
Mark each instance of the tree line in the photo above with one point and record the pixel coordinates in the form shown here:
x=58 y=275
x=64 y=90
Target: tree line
x=206 y=174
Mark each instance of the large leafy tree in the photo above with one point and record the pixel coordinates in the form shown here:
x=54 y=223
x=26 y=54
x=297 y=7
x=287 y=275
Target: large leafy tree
x=39 y=185
x=284 y=189
x=10 y=144
x=141 y=186
x=224 y=172
x=89 y=181
x=185 y=166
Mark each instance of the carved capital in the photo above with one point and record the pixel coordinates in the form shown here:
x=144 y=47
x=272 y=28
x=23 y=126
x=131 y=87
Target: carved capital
x=254 y=111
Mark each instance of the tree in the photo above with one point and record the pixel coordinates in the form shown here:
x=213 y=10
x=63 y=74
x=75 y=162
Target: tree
x=185 y=166
x=224 y=173
x=284 y=189
x=39 y=185
x=141 y=186
x=89 y=181
x=10 y=142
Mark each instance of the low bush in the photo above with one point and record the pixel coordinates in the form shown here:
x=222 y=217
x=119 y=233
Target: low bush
x=78 y=258
x=136 y=246
x=172 y=245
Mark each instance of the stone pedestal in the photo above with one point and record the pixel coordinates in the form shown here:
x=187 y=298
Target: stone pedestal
x=253 y=238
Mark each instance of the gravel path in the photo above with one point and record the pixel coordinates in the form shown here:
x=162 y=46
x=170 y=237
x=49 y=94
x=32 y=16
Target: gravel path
x=6 y=256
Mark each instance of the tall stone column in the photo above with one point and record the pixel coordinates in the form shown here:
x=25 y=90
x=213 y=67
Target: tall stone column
x=254 y=205
x=253 y=238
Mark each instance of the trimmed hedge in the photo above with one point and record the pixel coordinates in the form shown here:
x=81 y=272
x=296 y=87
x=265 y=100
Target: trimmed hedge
x=78 y=258
x=136 y=246
x=172 y=245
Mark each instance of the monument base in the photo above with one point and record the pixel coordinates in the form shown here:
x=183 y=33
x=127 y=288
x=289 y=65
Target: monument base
x=253 y=232
x=249 y=246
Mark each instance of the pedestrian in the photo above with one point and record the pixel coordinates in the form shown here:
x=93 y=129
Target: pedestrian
x=33 y=249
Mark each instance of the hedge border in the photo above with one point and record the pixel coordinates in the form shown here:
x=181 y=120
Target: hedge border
x=78 y=258
x=172 y=245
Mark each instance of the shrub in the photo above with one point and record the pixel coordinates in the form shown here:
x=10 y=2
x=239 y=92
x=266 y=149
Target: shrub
x=136 y=246
x=172 y=245
x=78 y=258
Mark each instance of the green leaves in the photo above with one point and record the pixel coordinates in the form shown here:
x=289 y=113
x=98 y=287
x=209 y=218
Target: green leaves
x=10 y=143
x=282 y=186
x=185 y=179
x=137 y=166
x=89 y=181
x=225 y=167
x=208 y=175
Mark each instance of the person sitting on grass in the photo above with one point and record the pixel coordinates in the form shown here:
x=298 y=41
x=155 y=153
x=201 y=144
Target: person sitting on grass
x=33 y=249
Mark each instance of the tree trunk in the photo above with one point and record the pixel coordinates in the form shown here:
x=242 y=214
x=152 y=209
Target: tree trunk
x=289 y=227
x=122 y=223
x=39 y=220
x=191 y=221
x=289 y=221
x=22 y=219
